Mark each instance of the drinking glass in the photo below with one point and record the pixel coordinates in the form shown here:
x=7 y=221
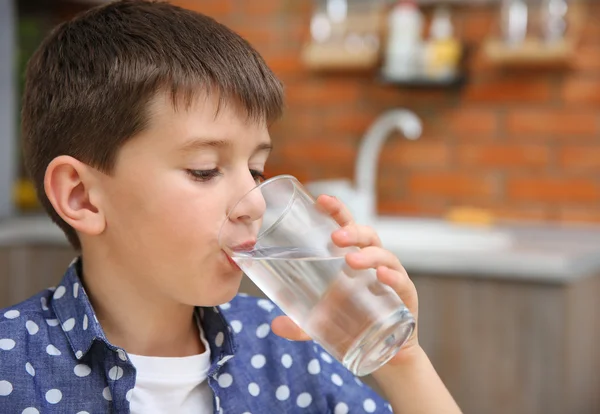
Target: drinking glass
x=281 y=239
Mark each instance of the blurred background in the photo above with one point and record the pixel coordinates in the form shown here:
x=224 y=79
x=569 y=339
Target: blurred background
x=466 y=132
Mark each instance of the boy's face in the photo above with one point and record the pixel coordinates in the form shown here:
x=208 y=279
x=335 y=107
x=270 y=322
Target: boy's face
x=170 y=192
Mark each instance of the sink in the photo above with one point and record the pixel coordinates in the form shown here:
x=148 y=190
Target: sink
x=411 y=234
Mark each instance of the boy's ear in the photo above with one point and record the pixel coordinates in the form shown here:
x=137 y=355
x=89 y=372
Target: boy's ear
x=72 y=189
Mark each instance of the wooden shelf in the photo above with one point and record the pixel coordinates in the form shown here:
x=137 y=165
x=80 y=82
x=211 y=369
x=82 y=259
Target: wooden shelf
x=531 y=53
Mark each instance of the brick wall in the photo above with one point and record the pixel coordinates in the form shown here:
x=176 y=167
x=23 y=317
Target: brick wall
x=523 y=144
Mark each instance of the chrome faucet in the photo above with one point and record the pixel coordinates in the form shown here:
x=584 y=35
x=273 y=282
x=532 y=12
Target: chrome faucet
x=361 y=197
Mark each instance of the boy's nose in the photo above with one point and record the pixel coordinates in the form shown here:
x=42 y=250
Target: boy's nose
x=250 y=208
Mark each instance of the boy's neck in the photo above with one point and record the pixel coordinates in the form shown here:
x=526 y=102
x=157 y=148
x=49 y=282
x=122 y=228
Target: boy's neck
x=136 y=318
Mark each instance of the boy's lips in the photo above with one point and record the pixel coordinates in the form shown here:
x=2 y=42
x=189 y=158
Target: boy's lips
x=244 y=247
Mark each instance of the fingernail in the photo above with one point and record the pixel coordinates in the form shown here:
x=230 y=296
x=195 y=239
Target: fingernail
x=343 y=233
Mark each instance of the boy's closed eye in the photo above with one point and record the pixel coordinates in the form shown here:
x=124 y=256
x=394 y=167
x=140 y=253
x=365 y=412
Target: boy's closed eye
x=207 y=175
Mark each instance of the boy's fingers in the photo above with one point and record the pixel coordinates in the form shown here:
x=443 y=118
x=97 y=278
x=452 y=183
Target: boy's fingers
x=402 y=285
x=372 y=257
x=283 y=326
x=336 y=209
x=356 y=235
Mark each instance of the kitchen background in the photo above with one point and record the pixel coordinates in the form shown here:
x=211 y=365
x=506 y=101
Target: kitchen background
x=493 y=208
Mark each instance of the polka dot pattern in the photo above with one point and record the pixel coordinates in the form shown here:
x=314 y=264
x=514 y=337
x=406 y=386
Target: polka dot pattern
x=263 y=330
x=225 y=380
x=314 y=367
x=325 y=357
x=258 y=361
x=106 y=394
x=12 y=314
x=69 y=324
x=7 y=344
x=287 y=361
x=32 y=327
x=59 y=292
x=53 y=396
x=52 y=350
x=304 y=400
x=282 y=393
x=115 y=373
x=236 y=326
x=341 y=408
x=265 y=370
x=219 y=339
x=82 y=370
x=6 y=388
x=266 y=304
x=253 y=389
x=369 y=405
x=122 y=355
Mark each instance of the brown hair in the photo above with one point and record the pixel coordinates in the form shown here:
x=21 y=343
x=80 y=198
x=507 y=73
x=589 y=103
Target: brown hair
x=90 y=82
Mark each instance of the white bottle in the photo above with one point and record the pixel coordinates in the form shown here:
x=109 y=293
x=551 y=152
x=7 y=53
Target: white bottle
x=404 y=46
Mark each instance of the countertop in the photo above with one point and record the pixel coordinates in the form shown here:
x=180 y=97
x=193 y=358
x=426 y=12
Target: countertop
x=540 y=253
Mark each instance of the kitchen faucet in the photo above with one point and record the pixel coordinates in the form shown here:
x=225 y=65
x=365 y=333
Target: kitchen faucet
x=361 y=197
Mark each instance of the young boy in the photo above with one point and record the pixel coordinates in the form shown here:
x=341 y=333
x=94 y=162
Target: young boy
x=143 y=124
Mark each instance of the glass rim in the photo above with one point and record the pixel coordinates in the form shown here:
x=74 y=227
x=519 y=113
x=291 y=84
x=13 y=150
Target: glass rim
x=259 y=186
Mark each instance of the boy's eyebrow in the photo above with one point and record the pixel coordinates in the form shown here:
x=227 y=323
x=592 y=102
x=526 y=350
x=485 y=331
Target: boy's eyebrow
x=200 y=144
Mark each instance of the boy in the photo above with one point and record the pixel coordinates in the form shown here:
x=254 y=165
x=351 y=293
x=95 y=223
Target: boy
x=143 y=123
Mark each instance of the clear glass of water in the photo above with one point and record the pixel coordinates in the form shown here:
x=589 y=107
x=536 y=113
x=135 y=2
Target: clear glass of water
x=281 y=240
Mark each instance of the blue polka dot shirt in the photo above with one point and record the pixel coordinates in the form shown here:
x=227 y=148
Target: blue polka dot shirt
x=55 y=358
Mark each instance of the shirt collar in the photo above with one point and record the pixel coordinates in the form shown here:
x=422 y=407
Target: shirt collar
x=78 y=320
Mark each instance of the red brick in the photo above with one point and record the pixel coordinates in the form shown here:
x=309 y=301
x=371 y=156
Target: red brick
x=581 y=214
x=214 y=8
x=386 y=95
x=587 y=59
x=304 y=175
x=580 y=158
x=503 y=155
x=317 y=150
x=322 y=94
x=470 y=121
x=258 y=36
x=410 y=208
x=295 y=125
x=552 y=122
x=551 y=190
x=348 y=122
x=285 y=64
x=582 y=91
x=416 y=154
x=450 y=185
x=476 y=25
x=591 y=31
x=501 y=90
x=297 y=32
x=266 y=8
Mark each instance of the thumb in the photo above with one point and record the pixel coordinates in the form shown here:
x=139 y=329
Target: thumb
x=283 y=326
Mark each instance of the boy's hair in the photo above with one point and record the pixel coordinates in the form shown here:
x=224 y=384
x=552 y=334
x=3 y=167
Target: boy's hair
x=89 y=84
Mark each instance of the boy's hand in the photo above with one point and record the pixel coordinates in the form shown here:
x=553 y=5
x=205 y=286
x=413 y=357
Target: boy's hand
x=371 y=255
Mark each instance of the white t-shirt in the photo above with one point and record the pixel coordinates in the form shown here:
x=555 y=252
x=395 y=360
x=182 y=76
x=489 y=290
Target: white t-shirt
x=172 y=385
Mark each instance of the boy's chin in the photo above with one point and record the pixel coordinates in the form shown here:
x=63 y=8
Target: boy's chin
x=225 y=290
